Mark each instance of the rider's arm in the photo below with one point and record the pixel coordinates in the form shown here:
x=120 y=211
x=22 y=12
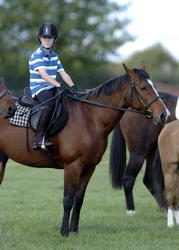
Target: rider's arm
x=48 y=78
x=67 y=79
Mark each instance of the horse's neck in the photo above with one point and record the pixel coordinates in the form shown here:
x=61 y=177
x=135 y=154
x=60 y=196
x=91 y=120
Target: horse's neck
x=108 y=117
x=173 y=106
x=118 y=97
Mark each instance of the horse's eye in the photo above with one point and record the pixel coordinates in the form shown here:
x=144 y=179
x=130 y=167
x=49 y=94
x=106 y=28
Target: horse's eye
x=143 y=88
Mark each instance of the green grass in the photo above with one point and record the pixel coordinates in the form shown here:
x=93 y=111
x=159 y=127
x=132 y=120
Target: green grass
x=31 y=213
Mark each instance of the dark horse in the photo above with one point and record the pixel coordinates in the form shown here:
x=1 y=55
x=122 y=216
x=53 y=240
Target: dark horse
x=79 y=147
x=140 y=135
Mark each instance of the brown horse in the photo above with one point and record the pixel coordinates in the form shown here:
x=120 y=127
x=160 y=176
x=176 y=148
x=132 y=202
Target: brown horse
x=168 y=143
x=141 y=141
x=79 y=147
x=7 y=101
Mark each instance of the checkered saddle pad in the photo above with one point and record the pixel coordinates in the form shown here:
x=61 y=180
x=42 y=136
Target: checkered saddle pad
x=24 y=117
x=21 y=116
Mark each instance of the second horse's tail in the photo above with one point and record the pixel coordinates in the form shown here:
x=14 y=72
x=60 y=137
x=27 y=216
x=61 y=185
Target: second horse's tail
x=117 y=162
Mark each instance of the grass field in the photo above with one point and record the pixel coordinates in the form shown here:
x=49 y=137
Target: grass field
x=31 y=212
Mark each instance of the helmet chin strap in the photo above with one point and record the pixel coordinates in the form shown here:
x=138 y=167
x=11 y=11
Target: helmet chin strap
x=47 y=48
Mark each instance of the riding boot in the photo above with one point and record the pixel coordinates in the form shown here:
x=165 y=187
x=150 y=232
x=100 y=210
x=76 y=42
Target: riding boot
x=40 y=140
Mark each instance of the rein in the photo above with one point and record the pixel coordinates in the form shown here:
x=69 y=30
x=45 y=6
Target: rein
x=68 y=94
x=105 y=105
x=4 y=92
x=146 y=112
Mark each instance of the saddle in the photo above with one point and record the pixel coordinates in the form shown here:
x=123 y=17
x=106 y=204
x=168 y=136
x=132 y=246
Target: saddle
x=59 y=116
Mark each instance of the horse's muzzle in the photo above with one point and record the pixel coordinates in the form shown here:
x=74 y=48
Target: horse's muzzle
x=163 y=117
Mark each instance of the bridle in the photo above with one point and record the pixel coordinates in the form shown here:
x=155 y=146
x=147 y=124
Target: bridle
x=148 y=112
x=4 y=92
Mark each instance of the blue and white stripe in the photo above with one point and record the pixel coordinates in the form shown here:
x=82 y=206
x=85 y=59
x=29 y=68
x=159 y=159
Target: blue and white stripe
x=41 y=59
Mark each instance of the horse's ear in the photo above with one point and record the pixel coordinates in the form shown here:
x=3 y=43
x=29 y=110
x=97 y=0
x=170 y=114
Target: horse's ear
x=142 y=65
x=130 y=72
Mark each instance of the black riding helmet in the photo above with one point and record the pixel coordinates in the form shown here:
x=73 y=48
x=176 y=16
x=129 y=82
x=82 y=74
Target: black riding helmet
x=48 y=30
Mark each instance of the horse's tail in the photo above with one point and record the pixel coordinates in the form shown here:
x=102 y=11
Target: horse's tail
x=117 y=157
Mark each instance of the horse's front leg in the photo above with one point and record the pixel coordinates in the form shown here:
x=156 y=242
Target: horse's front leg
x=3 y=161
x=76 y=210
x=83 y=182
x=71 y=177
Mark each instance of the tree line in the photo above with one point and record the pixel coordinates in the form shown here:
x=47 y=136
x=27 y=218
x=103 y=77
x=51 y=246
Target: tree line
x=89 y=34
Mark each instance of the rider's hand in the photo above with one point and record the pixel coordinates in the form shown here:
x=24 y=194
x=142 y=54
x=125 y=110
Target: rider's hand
x=74 y=90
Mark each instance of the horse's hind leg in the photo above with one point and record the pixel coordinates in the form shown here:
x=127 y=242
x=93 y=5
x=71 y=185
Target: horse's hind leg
x=170 y=189
x=147 y=180
x=131 y=172
x=3 y=161
x=176 y=195
x=83 y=182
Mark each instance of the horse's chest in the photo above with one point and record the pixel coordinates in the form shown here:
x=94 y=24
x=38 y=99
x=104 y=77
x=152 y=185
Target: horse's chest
x=94 y=151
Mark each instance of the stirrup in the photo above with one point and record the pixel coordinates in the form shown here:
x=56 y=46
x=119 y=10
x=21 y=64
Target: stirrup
x=43 y=147
x=45 y=144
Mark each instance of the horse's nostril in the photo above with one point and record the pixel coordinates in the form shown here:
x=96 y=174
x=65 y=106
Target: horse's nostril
x=163 y=117
x=11 y=110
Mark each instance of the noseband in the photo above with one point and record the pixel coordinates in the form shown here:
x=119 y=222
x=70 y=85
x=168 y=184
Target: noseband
x=148 y=112
x=4 y=92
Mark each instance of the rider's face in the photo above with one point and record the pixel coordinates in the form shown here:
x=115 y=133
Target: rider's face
x=47 y=42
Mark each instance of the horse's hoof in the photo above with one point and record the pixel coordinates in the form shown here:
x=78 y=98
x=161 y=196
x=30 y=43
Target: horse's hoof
x=131 y=212
x=64 y=233
x=74 y=230
x=170 y=225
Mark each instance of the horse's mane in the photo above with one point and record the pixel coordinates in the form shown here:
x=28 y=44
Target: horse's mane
x=107 y=88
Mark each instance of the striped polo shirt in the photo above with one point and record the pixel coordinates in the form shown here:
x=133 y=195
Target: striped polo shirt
x=41 y=59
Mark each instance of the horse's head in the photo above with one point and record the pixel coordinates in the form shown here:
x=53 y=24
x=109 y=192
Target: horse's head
x=144 y=96
x=7 y=101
